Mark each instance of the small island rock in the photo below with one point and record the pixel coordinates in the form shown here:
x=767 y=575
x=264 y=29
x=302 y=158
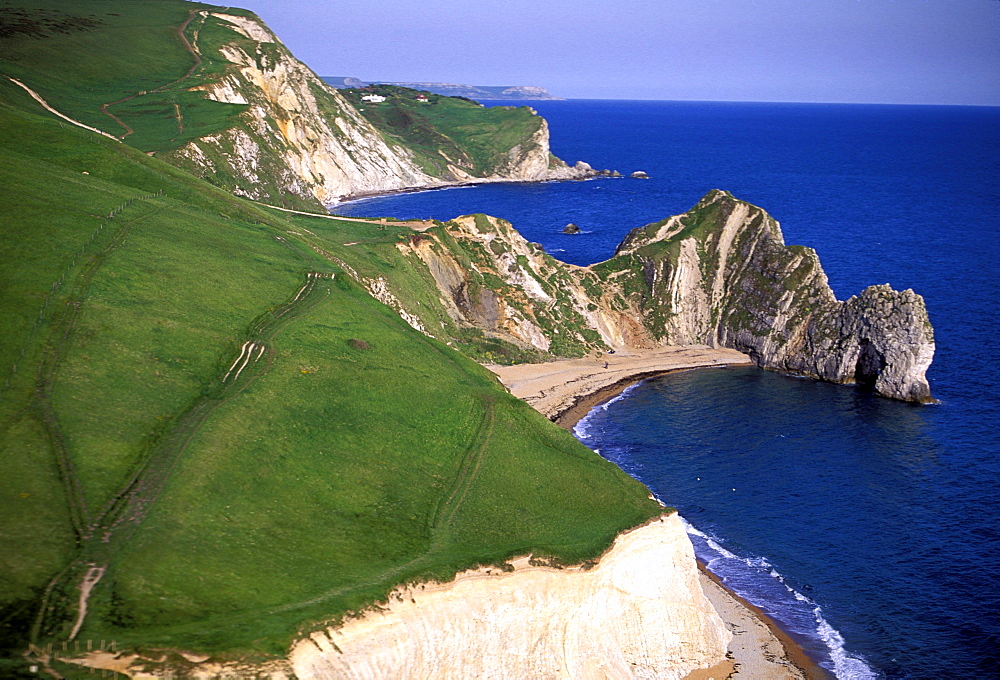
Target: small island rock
x=571 y=229
x=639 y=174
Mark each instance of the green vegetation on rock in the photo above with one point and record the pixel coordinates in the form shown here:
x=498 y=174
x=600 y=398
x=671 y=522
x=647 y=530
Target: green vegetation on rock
x=447 y=131
x=216 y=94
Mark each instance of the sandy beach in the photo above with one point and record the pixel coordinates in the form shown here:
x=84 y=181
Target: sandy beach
x=759 y=650
x=564 y=391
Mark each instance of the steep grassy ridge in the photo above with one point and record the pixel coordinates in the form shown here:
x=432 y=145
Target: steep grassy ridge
x=244 y=444
x=91 y=60
x=212 y=90
x=449 y=131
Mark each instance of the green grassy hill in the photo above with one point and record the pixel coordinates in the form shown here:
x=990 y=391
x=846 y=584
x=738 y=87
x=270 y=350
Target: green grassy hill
x=128 y=57
x=445 y=131
x=141 y=70
x=201 y=408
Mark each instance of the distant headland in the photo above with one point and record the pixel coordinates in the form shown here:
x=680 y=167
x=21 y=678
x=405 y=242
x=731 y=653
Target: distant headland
x=477 y=92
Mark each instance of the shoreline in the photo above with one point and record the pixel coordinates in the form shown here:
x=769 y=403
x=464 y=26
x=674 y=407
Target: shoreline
x=459 y=184
x=793 y=652
x=567 y=390
x=586 y=403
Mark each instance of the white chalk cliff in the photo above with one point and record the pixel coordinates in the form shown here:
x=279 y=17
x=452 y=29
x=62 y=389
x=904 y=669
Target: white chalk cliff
x=719 y=275
x=639 y=613
x=722 y=275
x=300 y=136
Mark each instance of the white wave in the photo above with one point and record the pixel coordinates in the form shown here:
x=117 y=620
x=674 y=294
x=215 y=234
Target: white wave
x=714 y=544
x=757 y=562
x=845 y=666
x=722 y=551
x=691 y=529
x=582 y=429
x=659 y=500
x=624 y=393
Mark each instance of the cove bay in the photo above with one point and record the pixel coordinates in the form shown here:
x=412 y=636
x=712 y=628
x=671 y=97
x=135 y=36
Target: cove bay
x=866 y=527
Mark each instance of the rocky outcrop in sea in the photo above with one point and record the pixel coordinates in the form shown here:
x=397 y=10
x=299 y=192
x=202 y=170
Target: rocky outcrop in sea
x=719 y=275
x=722 y=275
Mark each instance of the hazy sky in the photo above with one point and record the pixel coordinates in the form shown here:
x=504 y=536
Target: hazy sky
x=893 y=51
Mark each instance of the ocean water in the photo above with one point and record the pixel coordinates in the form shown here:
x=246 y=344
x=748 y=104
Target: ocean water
x=869 y=529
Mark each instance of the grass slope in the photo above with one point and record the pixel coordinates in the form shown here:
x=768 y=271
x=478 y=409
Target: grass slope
x=81 y=57
x=238 y=494
x=445 y=131
x=88 y=61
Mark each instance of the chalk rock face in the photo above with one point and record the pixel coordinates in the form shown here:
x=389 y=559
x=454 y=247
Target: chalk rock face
x=718 y=275
x=881 y=339
x=300 y=136
x=297 y=136
x=722 y=275
x=487 y=276
x=640 y=613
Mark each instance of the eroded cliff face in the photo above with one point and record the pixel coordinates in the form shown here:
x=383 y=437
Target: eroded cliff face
x=490 y=278
x=722 y=275
x=639 y=613
x=301 y=137
x=719 y=275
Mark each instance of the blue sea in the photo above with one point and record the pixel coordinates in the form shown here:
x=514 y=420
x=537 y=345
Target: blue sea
x=868 y=529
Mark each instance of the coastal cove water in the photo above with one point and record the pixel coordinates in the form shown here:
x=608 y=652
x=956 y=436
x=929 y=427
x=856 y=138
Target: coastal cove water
x=867 y=528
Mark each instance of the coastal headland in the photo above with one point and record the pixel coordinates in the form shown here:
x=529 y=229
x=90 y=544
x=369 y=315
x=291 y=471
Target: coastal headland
x=227 y=428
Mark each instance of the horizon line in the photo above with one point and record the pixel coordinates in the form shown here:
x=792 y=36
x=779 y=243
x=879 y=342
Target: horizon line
x=667 y=99
x=759 y=101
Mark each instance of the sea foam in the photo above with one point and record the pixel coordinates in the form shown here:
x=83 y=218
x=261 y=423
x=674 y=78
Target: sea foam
x=582 y=429
x=755 y=579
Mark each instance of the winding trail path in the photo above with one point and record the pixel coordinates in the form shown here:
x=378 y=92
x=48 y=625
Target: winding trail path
x=450 y=503
x=101 y=534
x=38 y=98
x=192 y=50
x=104 y=110
x=416 y=225
x=90 y=579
